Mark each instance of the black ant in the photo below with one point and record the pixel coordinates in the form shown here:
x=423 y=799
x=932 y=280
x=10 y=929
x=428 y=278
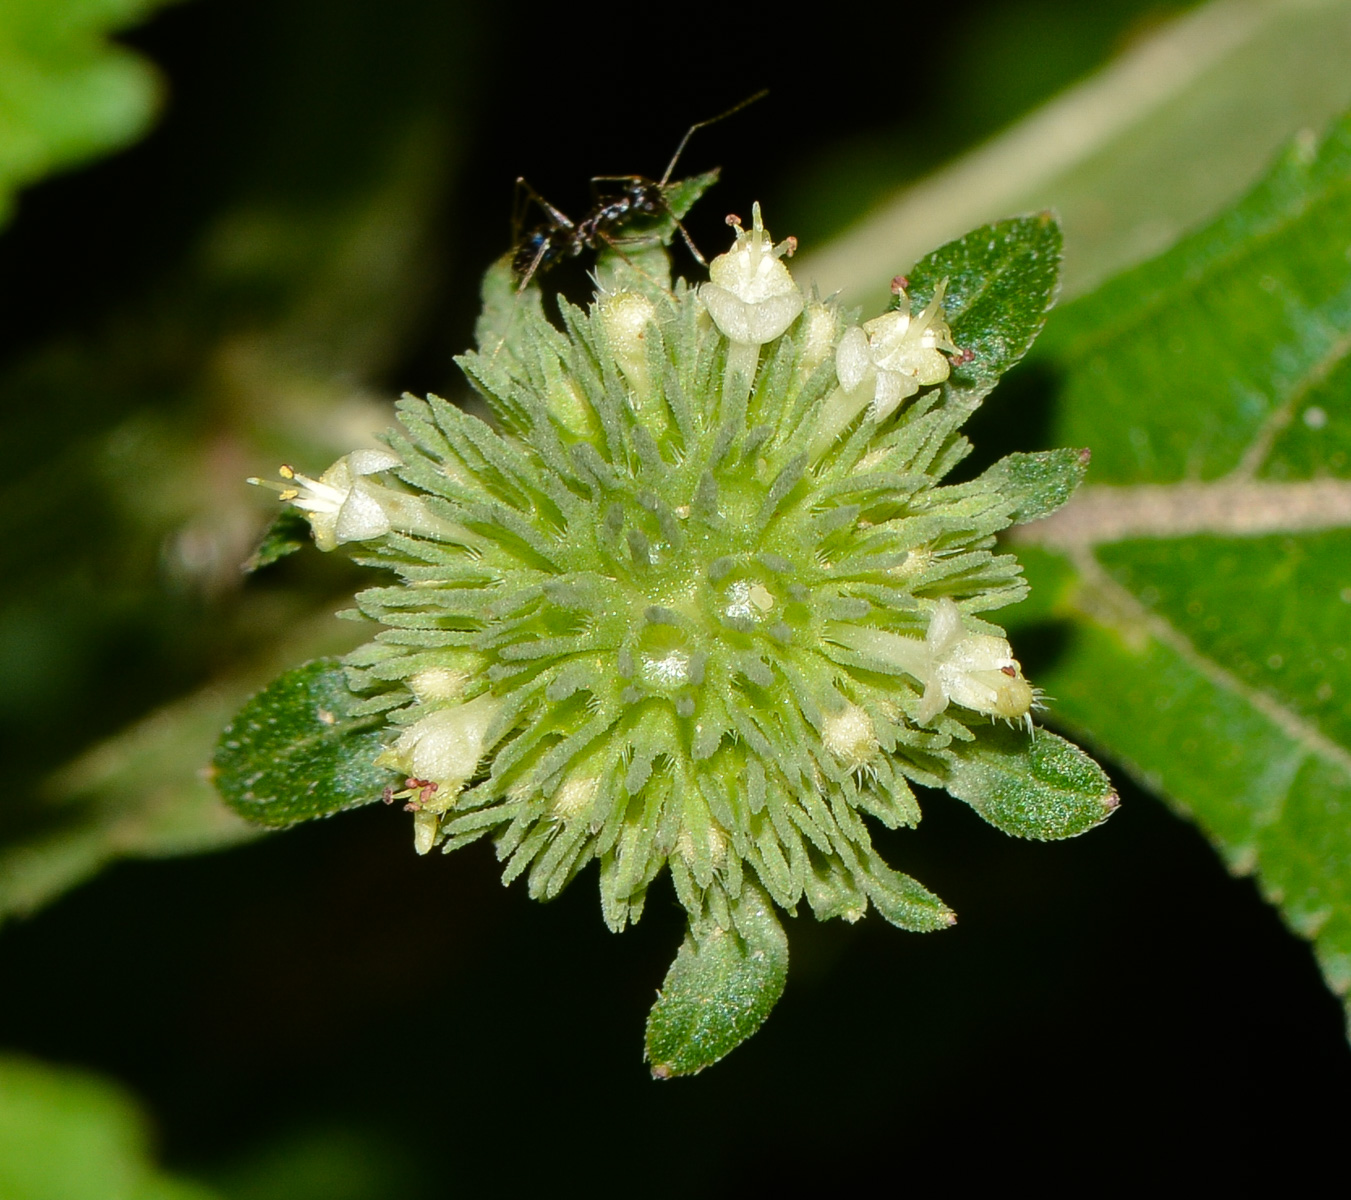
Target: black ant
x=559 y=237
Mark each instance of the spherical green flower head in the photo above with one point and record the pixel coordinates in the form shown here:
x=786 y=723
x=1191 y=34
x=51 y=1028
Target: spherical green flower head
x=701 y=602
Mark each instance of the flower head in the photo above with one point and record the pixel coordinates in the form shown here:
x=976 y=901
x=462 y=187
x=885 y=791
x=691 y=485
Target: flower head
x=702 y=605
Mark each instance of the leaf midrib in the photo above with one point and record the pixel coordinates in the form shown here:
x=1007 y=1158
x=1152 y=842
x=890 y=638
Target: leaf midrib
x=1117 y=600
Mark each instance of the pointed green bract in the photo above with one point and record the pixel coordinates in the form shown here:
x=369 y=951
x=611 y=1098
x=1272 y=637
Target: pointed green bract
x=719 y=990
x=1039 y=483
x=299 y=750
x=1043 y=788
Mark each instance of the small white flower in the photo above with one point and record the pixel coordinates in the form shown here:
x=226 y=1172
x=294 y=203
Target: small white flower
x=975 y=670
x=444 y=749
x=346 y=505
x=340 y=505
x=750 y=294
x=892 y=356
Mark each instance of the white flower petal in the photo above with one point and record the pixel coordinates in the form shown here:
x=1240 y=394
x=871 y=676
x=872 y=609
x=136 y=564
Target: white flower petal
x=370 y=462
x=852 y=359
x=361 y=517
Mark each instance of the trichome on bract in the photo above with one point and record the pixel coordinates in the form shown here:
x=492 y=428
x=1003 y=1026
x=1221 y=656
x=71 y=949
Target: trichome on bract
x=700 y=603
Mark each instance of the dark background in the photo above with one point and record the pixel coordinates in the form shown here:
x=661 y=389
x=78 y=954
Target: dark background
x=324 y=1009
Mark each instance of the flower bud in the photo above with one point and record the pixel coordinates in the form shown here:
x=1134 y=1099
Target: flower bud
x=626 y=316
x=445 y=748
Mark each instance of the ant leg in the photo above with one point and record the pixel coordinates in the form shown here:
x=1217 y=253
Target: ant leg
x=680 y=228
x=614 y=244
x=529 y=273
x=689 y=133
x=689 y=241
x=524 y=196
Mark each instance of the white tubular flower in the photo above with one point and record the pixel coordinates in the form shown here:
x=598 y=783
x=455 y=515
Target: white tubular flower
x=345 y=505
x=975 y=670
x=750 y=294
x=884 y=362
x=444 y=749
x=896 y=353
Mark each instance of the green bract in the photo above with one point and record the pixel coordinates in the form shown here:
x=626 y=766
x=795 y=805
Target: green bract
x=701 y=603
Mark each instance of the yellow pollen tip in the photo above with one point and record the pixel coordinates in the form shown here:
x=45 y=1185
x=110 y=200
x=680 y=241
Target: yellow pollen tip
x=286 y=472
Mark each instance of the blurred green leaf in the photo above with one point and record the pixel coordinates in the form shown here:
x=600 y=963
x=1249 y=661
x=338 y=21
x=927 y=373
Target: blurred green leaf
x=1208 y=571
x=1153 y=144
x=288 y=533
x=146 y=792
x=720 y=989
x=66 y=1135
x=325 y=1163
x=66 y=95
x=299 y=750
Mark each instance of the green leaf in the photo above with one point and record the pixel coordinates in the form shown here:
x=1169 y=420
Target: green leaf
x=66 y=1135
x=296 y=751
x=1209 y=585
x=289 y=532
x=1040 y=787
x=1039 y=483
x=1001 y=281
x=720 y=988
x=66 y=95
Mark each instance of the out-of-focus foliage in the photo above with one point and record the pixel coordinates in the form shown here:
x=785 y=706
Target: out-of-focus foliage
x=1208 y=568
x=258 y=346
x=1157 y=142
x=67 y=1135
x=66 y=95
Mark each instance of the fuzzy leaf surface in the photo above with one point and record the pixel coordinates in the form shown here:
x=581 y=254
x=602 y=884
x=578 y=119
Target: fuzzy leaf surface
x=1040 y=483
x=1208 y=587
x=719 y=990
x=295 y=751
x=1001 y=280
x=1043 y=787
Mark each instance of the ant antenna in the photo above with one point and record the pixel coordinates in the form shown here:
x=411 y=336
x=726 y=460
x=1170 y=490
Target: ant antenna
x=680 y=149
